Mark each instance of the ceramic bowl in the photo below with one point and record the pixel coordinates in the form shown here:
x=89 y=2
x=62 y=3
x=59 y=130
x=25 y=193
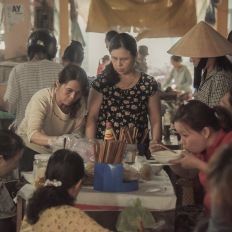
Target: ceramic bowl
x=28 y=176
x=164 y=157
x=156 y=168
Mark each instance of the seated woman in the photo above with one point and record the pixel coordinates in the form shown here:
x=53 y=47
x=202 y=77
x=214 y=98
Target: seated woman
x=54 y=112
x=202 y=130
x=51 y=208
x=11 y=149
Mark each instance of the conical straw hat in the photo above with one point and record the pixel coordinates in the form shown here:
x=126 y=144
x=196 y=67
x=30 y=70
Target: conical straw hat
x=201 y=41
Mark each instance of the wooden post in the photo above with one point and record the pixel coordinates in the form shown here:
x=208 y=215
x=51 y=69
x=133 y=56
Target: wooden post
x=222 y=18
x=64 y=25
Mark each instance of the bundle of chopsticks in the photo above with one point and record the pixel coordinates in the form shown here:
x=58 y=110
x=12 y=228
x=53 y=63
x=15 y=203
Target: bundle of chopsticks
x=109 y=151
x=128 y=134
x=145 y=134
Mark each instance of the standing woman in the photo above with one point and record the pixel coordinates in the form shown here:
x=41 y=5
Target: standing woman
x=122 y=95
x=207 y=50
x=54 y=112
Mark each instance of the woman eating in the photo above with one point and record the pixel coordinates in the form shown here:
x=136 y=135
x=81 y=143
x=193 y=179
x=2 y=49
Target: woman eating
x=51 y=207
x=122 y=95
x=53 y=112
x=201 y=135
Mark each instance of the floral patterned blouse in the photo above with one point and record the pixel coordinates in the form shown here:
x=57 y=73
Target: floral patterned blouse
x=62 y=219
x=124 y=107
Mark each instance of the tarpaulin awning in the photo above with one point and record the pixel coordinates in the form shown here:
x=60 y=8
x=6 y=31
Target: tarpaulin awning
x=149 y=18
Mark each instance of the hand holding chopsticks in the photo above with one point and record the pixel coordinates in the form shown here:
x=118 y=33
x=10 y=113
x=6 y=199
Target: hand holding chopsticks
x=155 y=146
x=166 y=148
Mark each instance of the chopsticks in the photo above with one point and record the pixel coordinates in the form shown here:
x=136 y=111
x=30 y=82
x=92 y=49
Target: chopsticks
x=109 y=151
x=166 y=148
x=128 y=134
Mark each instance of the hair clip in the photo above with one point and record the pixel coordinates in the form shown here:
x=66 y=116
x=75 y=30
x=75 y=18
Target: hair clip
x=54 y=183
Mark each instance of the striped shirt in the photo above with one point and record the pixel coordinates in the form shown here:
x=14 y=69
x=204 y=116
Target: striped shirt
x=213 y=87
x=25 y=80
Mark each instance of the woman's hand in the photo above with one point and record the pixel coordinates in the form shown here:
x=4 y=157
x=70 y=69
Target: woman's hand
x=189 y=161
x=154 y=146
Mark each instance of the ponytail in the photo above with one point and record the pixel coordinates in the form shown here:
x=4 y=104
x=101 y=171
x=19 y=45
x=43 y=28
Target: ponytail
x=44 y=198
x=224 y=118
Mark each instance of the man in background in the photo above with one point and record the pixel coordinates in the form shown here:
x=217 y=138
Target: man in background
x=109 y=37
x=39 y=72
x=141 y=64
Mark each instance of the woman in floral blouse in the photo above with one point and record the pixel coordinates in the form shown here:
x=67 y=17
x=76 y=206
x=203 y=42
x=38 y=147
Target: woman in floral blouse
x=51 y=207
x=122 y=95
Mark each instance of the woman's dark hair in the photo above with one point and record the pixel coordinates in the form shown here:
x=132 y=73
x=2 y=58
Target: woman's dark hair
x=229 y=37
x=122 y=40
x=10 y=144
x=110 y=35
x=219 y=178
x=74 y=72
x=198 y=72
x=198 y=115
x=74 y=53
x=65 y=166
x=176 y=58
x=105 y=58
x=224 y=63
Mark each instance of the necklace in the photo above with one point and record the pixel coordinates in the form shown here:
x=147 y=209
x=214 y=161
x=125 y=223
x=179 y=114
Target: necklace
x=126 y=86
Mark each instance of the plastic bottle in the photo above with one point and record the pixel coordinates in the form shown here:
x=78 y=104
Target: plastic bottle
x=108 y=132
x=167 y=124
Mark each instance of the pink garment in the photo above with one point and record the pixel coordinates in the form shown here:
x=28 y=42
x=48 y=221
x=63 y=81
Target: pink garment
x=222 y=138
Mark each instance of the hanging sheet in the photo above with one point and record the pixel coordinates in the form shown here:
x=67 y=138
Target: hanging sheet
x=149 y=18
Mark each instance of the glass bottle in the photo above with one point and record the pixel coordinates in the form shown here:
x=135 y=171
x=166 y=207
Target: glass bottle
x=109 y=132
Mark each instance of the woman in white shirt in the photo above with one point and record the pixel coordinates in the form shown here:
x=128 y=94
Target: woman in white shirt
x=53 y=112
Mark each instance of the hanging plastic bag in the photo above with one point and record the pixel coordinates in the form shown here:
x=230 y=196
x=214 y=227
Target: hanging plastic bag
x=128 y=218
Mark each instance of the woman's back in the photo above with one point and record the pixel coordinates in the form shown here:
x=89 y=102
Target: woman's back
x=62 y=218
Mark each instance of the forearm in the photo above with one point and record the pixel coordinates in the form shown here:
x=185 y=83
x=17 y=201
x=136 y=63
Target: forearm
x=202 y=166
x=40 y=139
x=156 y=131
x=90 y=128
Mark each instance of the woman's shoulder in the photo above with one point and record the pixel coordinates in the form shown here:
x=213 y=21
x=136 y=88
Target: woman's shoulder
x=69 y=214
x=222 y=74
x=148 y=80
x=44 y=93
x=99 y=83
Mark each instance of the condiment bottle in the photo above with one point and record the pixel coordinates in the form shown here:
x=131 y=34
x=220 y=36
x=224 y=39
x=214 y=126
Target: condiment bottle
x=109 y=132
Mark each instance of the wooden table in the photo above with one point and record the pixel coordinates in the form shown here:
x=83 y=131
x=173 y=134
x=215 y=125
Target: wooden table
x=104 y=207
